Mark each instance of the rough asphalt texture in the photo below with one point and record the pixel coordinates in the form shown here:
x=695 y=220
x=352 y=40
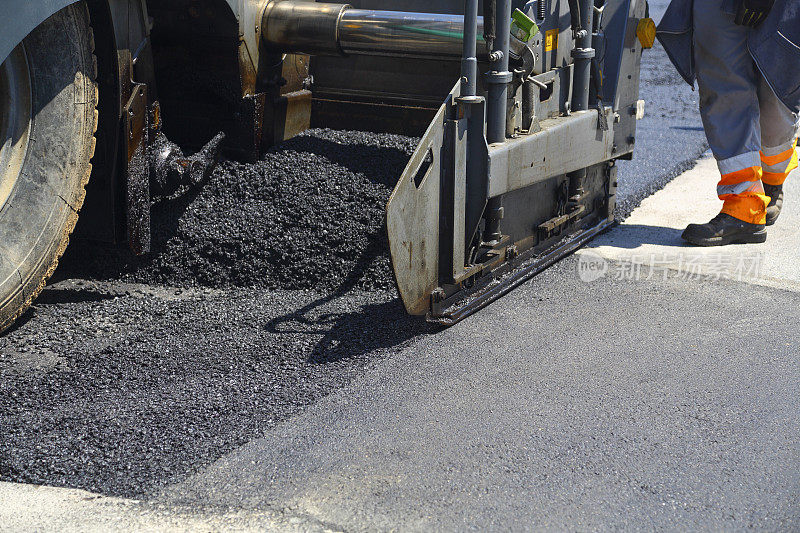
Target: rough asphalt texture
x=119 y=382
x=310 y=214
x=119 y=390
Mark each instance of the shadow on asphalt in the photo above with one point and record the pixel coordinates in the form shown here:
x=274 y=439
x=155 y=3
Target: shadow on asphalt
x=20 y=322
x=344 y=330
x=94 y=260
x=51 y=296
x=631 y=236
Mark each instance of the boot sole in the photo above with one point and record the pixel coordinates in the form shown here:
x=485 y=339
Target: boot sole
x=753 y=238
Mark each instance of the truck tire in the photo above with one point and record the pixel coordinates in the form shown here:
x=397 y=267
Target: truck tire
x=48 y=118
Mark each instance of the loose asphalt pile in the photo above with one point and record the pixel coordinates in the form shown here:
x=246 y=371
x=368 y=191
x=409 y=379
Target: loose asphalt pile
x=124 y=389
x=268 y=288
x=309 y=215
x=119 y=385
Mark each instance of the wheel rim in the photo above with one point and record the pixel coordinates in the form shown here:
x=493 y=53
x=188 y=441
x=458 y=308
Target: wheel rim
x=15 y=119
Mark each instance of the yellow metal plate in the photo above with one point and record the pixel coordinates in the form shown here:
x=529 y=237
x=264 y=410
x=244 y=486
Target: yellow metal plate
x=551 y=40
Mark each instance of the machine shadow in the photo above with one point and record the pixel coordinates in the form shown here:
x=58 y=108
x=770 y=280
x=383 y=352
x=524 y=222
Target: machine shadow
x=631 y=236
x=343 y=332
x=93 y=260
x=52 y=295
x=20 y=322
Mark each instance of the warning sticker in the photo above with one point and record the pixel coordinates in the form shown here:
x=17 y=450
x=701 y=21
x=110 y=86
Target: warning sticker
x=551 y=40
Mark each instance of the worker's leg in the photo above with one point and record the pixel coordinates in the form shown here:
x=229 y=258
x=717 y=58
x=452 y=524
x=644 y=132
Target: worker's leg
x=778 y=142
x=779 y=128
x=778 y=136
x=729 y=105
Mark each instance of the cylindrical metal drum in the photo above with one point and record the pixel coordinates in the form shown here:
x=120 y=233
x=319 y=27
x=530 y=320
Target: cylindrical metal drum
x=296 y=26
x=336 y=29
x=363 y=31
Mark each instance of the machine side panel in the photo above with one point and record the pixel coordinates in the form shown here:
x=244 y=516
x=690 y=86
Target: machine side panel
x=620 y=65
x=564 y=145
x=412 y=217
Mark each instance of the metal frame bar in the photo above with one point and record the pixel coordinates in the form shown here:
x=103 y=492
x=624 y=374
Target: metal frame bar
x=478 y=301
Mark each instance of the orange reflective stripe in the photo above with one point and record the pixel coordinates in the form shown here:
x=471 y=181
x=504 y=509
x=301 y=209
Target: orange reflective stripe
x=777 y=178
x=748 y=207
x=775 y=159
x=742 y=193
x=746 y=174
x=770 y=160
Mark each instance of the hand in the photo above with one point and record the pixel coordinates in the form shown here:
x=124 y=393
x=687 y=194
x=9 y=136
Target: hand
x=752 y=12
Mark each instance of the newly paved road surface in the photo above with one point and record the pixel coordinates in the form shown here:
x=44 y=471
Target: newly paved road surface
x=634 y=405
x=658 y=392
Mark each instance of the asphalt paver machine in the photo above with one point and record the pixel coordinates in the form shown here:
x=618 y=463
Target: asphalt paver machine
x=525 y=107
x=517 y=167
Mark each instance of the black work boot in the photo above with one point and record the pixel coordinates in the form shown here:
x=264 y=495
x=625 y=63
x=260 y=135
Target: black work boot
x=775 y=193
x=724 y=229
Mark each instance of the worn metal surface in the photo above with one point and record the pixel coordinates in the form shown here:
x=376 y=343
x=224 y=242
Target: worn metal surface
x=412 y=219
x=15 y=118
x=583 y=53
x=565 y=144
x=402 y=33
x=248 y=13
x=477 y=175
x=555 y=29
x=404 y=92
x=291 y=115
x=621 y=65
x=469 y=59
x=452 y=222
x=481 y=299
x=498 y=77
x=301 y=26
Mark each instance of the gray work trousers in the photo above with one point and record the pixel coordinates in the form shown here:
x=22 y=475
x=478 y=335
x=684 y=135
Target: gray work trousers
x=741 y=114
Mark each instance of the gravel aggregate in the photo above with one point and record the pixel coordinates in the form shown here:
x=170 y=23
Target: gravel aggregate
x=122 y=389
x=309 y=214
x=269 y=287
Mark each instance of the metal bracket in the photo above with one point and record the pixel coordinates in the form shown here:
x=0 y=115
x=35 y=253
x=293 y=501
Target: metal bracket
x=137 y=192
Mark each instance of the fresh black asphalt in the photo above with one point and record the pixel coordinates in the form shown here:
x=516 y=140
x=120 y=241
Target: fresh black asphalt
x=129 y=377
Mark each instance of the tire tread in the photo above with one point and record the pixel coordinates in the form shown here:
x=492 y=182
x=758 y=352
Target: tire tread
x=72 y=218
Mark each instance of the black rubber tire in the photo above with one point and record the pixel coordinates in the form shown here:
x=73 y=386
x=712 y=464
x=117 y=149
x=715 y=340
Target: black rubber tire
x=41 y=210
